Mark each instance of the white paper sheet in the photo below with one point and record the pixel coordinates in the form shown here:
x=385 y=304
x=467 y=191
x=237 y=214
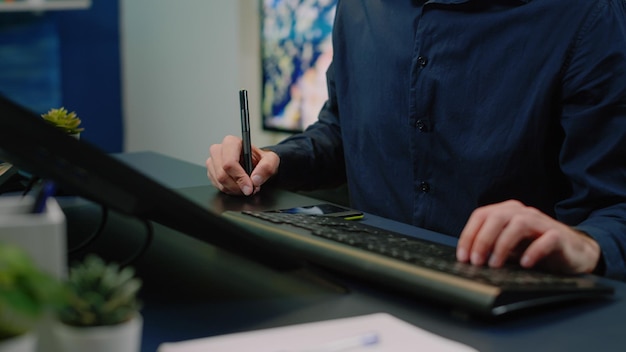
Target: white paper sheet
x=348 y=334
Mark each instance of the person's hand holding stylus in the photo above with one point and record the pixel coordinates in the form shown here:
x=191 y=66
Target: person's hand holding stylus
x=236 y=166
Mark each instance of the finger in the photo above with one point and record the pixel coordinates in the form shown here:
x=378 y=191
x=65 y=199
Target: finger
x=266 y=167
x=468 y=234
x=517 y=231
x=211 y=173
x=483 y=243
x=224 y=175
x=222 y=181
x=234 y=174
x=231 y=151
x=216 y=174
x=209 y=169
x=243 y=181
x=478 y=241
x=541 y=248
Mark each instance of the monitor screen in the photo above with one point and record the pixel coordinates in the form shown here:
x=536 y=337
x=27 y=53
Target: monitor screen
x=38 y=148
x=296 y=51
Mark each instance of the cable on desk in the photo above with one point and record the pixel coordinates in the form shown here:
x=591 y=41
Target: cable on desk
x=144 y=247
x=100 y=229
x=95 y=234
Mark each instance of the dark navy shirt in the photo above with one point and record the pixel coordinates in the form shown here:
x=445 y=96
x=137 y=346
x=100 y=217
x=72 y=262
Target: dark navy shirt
x=439 y=107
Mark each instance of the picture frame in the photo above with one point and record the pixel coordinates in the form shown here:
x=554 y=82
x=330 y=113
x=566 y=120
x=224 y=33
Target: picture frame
x=296 y=51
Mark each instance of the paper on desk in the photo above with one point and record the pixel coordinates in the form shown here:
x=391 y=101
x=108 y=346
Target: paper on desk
x=394 y=335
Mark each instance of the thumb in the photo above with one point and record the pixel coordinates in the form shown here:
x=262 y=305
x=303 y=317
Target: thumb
x=258 y=179
x=265 y=169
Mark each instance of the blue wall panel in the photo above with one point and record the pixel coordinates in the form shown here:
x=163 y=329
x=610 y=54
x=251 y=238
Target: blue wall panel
x=91 y=74
x=70 y=59
x=29 y=62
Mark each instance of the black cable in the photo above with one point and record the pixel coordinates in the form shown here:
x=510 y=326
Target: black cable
x=146 y=244
x=100 y=229
x=95 y=234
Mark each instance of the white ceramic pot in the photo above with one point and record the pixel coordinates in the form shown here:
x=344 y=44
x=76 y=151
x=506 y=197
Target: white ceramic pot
x=125 y=337
x=23 y=343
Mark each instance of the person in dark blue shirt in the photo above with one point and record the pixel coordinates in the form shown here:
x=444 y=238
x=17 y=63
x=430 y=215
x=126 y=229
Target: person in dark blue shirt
x=502 y=122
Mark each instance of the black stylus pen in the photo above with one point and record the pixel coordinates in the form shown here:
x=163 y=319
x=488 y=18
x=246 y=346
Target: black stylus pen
x=245 y=131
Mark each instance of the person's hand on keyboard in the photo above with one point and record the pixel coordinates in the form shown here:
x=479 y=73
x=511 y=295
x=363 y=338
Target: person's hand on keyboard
x=226 y=173
x=495 y=233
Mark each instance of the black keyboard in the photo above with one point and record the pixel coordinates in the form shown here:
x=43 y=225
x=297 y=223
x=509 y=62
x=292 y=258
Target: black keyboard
x=421 y=267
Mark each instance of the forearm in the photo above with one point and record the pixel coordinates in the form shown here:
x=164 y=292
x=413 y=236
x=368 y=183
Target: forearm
x=594 y=122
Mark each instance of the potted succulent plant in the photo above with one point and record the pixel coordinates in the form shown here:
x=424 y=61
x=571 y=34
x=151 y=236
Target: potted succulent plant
x=27 y=294
x=102 y=310
x=64 y=120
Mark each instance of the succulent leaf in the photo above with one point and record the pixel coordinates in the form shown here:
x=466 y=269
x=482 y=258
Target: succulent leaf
x=61 y=118
x=100 y=294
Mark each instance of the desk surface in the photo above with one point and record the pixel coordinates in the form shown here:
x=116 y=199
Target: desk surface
x=195 y=290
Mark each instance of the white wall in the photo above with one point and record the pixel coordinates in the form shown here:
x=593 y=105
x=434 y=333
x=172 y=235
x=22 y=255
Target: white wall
x=183 y=63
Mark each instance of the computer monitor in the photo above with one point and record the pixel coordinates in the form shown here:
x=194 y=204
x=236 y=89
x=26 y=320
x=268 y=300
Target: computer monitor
x=38 y=148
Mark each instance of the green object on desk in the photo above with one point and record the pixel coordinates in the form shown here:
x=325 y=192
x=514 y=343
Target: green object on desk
x=26 y=292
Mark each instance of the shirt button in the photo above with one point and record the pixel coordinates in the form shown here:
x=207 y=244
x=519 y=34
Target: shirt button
x=424 y=187
x=420 y=125
x=422 y=61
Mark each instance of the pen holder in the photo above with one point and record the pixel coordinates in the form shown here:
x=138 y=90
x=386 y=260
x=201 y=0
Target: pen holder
x=42 y=235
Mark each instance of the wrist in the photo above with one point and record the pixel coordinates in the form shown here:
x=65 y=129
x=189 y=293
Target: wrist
x=595 y=254
x=600 y=268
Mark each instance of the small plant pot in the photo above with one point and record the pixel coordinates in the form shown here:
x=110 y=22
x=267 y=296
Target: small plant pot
x=125 y=337
x=22 y=343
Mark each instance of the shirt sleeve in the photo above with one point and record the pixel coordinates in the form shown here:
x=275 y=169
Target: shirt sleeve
x=314 y=158
x=593 y=156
